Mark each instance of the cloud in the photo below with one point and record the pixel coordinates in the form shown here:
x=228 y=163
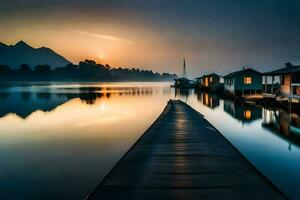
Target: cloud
x=103 y=37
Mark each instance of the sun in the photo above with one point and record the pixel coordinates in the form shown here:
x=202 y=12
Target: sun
x=101 y=56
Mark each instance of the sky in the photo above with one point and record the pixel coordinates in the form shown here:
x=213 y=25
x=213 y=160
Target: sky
x=213 y=35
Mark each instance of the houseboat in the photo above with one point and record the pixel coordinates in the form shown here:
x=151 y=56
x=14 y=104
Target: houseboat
x=208 y=81
x=183 y=82
x=282 y=83
x=247 y=82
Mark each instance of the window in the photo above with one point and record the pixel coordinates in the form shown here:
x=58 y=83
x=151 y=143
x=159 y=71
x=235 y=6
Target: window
x=247 y=114
x=247 y=80
x=211 y=79
x=206 y=82
x=229 y=81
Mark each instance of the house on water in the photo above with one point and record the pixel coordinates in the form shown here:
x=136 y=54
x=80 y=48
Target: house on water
x=284 y=82
x=183 y=82
x=245 y=82
x=208 y=81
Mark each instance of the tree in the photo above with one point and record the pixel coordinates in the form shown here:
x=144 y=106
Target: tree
x=42 y=69
x=4 y=69
x=87 y=62
x=107 y=66
x=24 y=68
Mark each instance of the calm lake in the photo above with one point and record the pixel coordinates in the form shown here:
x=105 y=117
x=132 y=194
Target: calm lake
x=58 y=140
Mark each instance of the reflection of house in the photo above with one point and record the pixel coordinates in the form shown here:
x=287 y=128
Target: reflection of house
x=282 y=82
x=243 y=112
x=209 y=80
x=282 y=124
x=244 y=82
x=210 y=101
x=182 y=92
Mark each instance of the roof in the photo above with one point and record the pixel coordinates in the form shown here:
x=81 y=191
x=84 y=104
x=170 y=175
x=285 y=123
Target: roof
x=185 y=79
x=241 y=72
x=212 y=74
x=285 y=70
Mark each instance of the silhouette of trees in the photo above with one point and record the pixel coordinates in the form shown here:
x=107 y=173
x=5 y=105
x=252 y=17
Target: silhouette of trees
x=42 y=69
x=87 y=63
x=4 y=69
x=87 y=70
x=24 y=68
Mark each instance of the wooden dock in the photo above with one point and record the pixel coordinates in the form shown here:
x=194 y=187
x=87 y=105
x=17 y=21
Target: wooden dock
x=182 y=156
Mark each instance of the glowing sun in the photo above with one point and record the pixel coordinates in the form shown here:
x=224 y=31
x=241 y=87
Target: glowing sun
x=101 y=56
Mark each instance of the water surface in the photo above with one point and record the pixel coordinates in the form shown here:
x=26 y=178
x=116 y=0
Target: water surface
x=60 y=140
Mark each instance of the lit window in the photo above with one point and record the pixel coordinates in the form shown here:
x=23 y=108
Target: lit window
x=247 y=114
x=248 y=80
x=206 y=82
x=210 y=79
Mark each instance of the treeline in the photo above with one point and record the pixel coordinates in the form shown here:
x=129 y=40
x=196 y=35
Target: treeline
x=87 y=70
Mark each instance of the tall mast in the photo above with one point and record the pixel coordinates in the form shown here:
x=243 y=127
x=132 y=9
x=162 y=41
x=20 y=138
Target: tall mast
x=184 y=68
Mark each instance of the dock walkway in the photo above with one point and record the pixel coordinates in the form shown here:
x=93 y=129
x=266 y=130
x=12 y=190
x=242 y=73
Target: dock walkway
x=182 y=156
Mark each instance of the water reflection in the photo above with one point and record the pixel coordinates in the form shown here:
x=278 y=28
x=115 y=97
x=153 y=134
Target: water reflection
x=209 y=100
x=23 y=103
x=182 y=93
x=61 y=139
x=279 y=122
x=244 y=112
x=283 y=124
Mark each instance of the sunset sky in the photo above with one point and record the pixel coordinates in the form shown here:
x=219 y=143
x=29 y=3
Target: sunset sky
x=213 y=35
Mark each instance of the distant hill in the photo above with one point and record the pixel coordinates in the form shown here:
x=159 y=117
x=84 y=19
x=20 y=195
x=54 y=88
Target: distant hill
x=22 y=53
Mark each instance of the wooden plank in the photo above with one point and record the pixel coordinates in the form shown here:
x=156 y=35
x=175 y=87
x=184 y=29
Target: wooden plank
x=182 y=156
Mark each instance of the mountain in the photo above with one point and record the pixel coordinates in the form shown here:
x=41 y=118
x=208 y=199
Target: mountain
x=22 y=53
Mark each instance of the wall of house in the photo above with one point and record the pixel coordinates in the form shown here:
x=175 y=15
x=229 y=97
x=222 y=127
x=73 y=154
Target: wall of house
x=296 y=78
x=296 y=90
x=229 y=86
x=255 y=85
x=285 y=86
x=267 y=80
x=296 y=84
x=221 y=80
x=286 y=80
x=271 y=84
x=199 y=82
x=208 y=81
x=285 y=89
x=215 y=81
